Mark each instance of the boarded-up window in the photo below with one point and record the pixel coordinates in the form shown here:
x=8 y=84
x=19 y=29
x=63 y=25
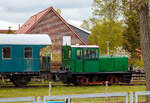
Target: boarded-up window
x=28 y=52
x=6 y=52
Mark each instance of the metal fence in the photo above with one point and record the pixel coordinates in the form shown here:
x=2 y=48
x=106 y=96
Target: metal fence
x=93 y=98
x=18 y=99
x=140 y=97
x=121 y=97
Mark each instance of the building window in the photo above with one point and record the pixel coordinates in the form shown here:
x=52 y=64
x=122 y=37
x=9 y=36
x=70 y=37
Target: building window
x=6 y=52
x=28 y=52
x=66 y=40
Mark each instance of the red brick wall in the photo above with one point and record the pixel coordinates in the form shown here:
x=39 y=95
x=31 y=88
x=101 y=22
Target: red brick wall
x=56 y=28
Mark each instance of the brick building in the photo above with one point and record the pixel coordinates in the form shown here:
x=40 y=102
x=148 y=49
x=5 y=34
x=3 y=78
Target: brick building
x=50 y=22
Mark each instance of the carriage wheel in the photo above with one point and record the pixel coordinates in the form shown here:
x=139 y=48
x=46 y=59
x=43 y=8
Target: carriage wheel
x=20 y=81
x=112 y=79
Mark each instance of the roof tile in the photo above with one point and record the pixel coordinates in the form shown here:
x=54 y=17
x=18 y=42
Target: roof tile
x=31 y=21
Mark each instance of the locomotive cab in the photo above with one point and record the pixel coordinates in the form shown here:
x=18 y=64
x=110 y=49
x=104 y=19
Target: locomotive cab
x=80 y=58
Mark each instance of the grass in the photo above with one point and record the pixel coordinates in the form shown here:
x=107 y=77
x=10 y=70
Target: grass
x=33 y=90
x=61 y=90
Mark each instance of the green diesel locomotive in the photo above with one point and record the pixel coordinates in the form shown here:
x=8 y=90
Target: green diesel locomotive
x=83 y=65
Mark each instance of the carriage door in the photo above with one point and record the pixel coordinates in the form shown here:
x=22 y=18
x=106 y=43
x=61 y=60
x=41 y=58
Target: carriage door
x=28 y=58
x=79 y=60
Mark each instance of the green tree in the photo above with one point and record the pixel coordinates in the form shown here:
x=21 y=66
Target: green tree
x=105 y=26
x=143 y=9
x=131 y=34
x=106 y=9
x=58 y=10
x=88 y=24
x=85 y=25
x=101 y=34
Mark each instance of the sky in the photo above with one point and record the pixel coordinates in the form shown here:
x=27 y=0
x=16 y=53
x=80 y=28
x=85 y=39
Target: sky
x=14 y=12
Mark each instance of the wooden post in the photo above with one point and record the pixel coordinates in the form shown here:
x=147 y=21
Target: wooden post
x=67 y=100
x=106 y=86
x=106 y=91
x=50 y=86
x=38 y=99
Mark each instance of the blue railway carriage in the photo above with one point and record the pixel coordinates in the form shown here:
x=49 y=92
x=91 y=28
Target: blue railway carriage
x=20 y=56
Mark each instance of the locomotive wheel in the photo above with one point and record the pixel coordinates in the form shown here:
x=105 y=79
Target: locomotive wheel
x=80 y=81
x=67 y=79
x=112 y=79
x=20 y=81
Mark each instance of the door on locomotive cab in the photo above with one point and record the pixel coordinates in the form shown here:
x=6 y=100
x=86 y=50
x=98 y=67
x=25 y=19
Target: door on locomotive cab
x=66 y=58
x=79 y=60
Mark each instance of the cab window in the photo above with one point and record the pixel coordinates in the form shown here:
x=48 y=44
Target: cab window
x=79 y=54
x=6 y=52
x=69 y=54
x=87 y=53
x=91 y=53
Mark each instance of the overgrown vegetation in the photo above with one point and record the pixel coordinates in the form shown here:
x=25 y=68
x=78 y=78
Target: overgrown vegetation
x=131 y=33
x=104 y=32
x=116 y=22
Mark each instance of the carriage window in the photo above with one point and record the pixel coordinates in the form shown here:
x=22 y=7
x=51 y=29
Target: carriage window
x=28 y=52
x=6 y=52
x=79 y=54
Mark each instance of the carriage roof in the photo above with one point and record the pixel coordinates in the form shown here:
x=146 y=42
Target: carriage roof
x=25 y=39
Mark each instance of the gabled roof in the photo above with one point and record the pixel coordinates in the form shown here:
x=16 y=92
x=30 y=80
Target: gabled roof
x=88 y=32
x=32 y=21
x=81 y=32
x=29 y=24
x=24 y=39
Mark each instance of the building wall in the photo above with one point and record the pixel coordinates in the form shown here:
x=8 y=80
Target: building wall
x=51 y=24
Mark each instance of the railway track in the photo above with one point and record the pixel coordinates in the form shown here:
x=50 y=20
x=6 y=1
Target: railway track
x=32 y=85
x=138 y=78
